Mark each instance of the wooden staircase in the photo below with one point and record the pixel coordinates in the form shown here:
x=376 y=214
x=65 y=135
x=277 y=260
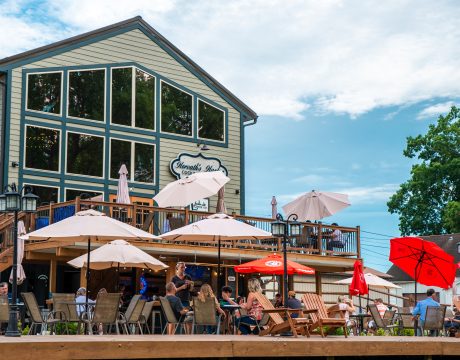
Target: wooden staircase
x=6 y=231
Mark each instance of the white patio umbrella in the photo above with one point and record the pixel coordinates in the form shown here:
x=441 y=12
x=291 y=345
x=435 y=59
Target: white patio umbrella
x=217 y=227
x=20 y=274
x=316 y=205
x=185 y=191
x=116 y=253
x=123 y=188
x=371 y=280
x=89 y=225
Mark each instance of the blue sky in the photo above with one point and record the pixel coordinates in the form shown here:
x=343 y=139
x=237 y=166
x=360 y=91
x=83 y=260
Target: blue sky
x=338 y=85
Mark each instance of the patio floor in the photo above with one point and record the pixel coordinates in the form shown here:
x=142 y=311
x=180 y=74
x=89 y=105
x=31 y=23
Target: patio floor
x=212 y=346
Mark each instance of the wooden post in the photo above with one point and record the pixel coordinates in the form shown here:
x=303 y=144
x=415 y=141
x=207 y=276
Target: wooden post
x=320 y=238
x=53 y=272
x=186 y=221
x=133 y=216
x=358 y=241
x=51 y=213
x=83 y=277
x=77 y=204
x=32 y=218
x=170 y=272
x=318 y=285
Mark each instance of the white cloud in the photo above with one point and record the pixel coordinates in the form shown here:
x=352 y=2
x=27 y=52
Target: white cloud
x=282 y=57
x=434 y=111
x=369 y=195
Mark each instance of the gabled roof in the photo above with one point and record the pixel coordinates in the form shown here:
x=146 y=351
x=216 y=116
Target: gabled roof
x=136 y=21
x=446 y=242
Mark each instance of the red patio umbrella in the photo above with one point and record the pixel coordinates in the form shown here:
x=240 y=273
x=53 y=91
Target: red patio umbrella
x=424 y=261
x=358 y=284
x=273 y=265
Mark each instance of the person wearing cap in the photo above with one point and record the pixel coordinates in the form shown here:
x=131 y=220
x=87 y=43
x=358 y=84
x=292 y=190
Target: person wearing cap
x=294 y=303
x=80 y=298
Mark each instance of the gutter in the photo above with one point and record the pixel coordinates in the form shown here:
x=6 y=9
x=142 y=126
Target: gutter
x=250 y=122
x=2 y=123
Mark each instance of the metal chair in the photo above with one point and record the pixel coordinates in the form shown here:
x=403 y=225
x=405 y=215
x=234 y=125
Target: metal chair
x=146 y=312
x=36 y=317
x=131 y=317
x=379 y=322
x=170 y=316
x=105 y=312
x=434 y=320
x=65 y=310
x=204 y=314
x=389 y=317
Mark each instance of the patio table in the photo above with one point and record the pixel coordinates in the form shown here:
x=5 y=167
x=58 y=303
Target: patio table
x=230 y=318
x=360 y=321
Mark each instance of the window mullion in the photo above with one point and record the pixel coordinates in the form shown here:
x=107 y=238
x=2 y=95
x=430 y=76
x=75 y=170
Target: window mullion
x=133 y=98
x=133 y=158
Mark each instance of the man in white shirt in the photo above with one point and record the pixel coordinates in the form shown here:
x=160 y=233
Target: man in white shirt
x=346 y=305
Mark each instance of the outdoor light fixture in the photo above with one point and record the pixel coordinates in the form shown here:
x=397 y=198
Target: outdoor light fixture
x=12 y=201
x=203 y=145
x=458 y=244
x=280 y=228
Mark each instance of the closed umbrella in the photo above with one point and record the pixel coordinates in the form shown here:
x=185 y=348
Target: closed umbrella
x=220 y=208
x=274 y=208
x=123 y=188
x=217 y=227
x=316 y=205
x=21 y=275
x=273 y=265
x=89 y=225
x=184 y=192
x=424 y=261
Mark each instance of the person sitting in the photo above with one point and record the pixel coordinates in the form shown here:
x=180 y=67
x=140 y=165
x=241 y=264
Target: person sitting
x=80 y=299
x=253 y=308
x=278 y=301
x=178 y=309
x=452 y=324
x=3 y=289
x=346 y=305
x=420 y=309
x=381 y=307
x=207 y=293
x=337 y=240
x=294 y=303
x=226 y=294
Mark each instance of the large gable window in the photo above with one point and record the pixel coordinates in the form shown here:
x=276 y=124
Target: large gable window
x=42 y=148
x=46 y=194
x=133 y=98
x=211 y=122
x=139 y=159
x=71 y=194
x=85 y=154
x=176 y=110
x=86 y=94
x=44 y=92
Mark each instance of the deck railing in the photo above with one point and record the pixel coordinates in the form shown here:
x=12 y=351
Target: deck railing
x=316 y=238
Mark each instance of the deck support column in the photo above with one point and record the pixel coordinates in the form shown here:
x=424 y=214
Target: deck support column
x=318 y=285
x=83 y=277
x=53 y=272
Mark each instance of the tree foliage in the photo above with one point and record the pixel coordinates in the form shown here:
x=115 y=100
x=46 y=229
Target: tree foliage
x=428 y=203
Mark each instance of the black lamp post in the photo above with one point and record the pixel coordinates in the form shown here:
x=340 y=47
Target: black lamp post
x=12 y=201
x=281 y=228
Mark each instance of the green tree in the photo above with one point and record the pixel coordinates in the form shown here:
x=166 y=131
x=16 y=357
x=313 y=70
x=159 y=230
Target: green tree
x=428 y=202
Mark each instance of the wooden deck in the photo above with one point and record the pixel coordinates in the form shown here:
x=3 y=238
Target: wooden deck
x=211 y=346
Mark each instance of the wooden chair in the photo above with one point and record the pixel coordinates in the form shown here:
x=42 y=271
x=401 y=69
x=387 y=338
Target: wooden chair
x=105 y=312
x=204 y=314
x=36 y=317
x=321 y=317
x=277 y=324
x=380 y=323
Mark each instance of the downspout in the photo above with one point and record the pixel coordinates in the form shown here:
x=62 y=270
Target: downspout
x=2 y=124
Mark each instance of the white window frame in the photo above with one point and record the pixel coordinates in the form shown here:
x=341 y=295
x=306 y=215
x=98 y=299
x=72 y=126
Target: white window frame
x=103 y=154
x=193 y=111
x=133 y=158
x=82 y=190
x=27 y=92
x=133 y=98
x=198 y=121
x=105 y=92
x=25 y=149
x=48 y=186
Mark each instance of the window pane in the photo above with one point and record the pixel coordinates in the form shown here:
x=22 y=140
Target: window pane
x=143 y=162
x=86 y=94
x=145 y=100
x=122 y=93
x=120 y=153
x=71 y=194
x=44 y=92
x=42 y=148
x=176 y=111
x=85 y=154
x=210 y=122
x=45 y=193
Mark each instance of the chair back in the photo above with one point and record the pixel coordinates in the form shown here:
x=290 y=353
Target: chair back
x=267 y=305
x=137 y=312
x=334 y=311
x=388 y=317
x=434 y=318
x=147 y=311
x=168 y=311
x=106 y=309
x=406 y=320
x=315 y=302
x=60 y=306
x=376 y=315
x=132 y=305
x=32 y=307
x=4 y=309
x=204 y=313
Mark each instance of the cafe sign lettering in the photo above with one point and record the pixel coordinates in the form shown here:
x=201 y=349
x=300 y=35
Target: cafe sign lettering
x=188 y=164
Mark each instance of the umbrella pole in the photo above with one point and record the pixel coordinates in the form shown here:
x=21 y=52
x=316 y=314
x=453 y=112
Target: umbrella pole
x=118 y=277
x=218 y=266
x=88 y=273
x=360 y=307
